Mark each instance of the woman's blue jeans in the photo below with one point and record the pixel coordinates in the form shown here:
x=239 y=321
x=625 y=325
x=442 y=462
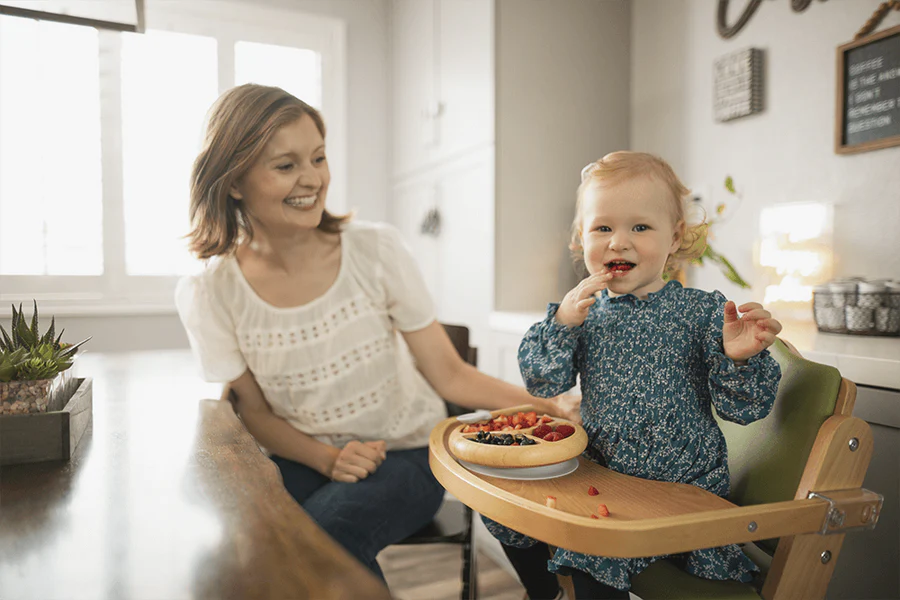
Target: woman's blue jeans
x=398 y=499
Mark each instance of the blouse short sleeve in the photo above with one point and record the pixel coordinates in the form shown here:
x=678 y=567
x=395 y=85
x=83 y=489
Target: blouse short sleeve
x=210 y=330
x=409 y=302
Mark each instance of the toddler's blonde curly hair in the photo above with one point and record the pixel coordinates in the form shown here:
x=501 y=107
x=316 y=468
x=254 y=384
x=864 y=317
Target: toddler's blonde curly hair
x=617 y=166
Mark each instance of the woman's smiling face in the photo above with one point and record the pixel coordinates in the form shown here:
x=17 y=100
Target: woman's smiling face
x=628 y=229
x=287 y=186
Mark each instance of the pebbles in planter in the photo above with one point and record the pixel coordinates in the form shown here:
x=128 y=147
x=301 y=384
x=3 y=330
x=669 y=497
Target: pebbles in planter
x=24 y=397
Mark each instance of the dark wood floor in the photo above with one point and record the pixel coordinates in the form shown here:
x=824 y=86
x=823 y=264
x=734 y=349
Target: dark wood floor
x=431 y=572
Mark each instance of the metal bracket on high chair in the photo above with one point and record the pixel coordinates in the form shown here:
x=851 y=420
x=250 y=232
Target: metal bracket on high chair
x=850 y=510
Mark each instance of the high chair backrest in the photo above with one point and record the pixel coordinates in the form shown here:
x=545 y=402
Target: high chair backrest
x=767 y=458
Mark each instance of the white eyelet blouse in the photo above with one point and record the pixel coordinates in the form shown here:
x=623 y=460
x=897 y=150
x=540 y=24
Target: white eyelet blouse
x=335 y=368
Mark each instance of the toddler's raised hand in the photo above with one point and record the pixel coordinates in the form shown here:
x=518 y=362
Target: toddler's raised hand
x=747 y=335
x=573 y=309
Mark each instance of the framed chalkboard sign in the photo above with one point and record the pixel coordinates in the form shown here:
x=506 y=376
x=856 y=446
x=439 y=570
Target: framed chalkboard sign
x=868 y=93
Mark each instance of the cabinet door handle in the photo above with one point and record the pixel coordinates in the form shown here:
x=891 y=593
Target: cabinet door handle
x=431 y=225
x=433 y=110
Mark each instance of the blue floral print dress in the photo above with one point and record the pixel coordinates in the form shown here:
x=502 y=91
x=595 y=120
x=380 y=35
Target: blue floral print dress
x=651 y=371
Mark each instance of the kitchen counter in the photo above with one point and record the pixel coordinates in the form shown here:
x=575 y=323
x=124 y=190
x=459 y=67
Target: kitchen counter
x=865 y=360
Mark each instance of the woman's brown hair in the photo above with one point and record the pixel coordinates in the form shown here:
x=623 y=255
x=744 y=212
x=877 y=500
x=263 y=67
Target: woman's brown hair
x=622 y=165
x=241 y=123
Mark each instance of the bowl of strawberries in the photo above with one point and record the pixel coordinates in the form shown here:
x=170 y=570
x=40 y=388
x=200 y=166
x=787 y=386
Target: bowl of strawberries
x=517 y=437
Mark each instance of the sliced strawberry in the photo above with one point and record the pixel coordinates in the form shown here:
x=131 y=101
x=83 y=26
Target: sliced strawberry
x=594 y=517
x=541 y=430
x=592 y=491
x=602 y=510
x=546 y=419
x=530 y=419
x=553 y=437
x=551 y=501
x=565 y=430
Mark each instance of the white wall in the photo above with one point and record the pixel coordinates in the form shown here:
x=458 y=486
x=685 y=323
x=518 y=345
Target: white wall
x=784 y=154
x=367 y=160
x=562 y=100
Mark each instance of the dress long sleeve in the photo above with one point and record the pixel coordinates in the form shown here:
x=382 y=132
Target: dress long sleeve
x=741 y=394
x=547 y=356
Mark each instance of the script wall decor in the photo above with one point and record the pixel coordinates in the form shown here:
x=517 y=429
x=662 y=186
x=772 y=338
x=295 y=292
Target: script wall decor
x=727 y=31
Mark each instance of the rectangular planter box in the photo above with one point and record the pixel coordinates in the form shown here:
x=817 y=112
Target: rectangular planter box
x=45 y=436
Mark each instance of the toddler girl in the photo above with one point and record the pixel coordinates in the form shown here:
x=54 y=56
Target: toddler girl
x=654 y=359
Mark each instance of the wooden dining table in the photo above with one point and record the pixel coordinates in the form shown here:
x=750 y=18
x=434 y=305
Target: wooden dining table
x=165 y=497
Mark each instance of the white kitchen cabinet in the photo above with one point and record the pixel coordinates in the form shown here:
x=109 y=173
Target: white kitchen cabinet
x=465 y=77
x=442 y=65
x=413 y=82
x=457 y=260
x=496 y=107
x=410 y=205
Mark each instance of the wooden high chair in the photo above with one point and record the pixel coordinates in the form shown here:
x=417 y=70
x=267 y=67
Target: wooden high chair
x=796 y=478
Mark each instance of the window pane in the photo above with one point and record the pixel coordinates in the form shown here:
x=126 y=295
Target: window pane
x=169 y=81
x=295 y=70
x=51 y=212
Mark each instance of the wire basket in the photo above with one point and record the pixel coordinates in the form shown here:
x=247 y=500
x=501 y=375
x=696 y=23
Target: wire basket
x=858 y=313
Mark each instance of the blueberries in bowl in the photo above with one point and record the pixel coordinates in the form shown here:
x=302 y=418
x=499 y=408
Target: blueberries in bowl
x=502 y=439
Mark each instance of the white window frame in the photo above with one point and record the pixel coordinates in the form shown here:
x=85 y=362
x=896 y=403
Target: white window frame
x=115 y=292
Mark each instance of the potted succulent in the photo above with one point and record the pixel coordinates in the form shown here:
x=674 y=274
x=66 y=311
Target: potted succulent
x=33 y=366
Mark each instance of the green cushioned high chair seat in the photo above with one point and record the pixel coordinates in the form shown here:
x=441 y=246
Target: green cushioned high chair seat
x=766 y=460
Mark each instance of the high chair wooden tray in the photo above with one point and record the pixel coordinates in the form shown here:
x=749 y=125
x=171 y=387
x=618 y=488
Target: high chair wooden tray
x=646 y=518
x=527 y=449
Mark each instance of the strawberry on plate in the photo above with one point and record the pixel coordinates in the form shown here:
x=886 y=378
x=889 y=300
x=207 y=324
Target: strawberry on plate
x=541 y=430
x=565 y=430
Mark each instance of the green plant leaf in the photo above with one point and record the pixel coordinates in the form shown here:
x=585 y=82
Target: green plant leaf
x=5 y=341
x=729 y=184
x=724 y=265
x=7 y=373
x=26 y=338
x=34 y=322
x=732 y=274
x=14 y=327
x=48 y=337
x=70 y=350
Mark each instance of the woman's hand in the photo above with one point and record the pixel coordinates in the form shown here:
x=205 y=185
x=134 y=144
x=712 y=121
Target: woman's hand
x=566 y=406
x=573 y=309
x=357 y=460
x=747 y=335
